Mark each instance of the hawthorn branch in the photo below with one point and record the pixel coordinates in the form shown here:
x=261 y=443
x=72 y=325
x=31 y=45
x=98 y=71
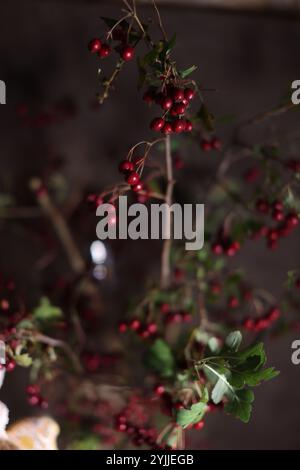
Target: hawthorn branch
x=76 y=260
x=165 y=257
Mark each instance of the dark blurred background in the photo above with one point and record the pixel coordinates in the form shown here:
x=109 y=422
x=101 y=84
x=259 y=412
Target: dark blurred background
x=250 y=57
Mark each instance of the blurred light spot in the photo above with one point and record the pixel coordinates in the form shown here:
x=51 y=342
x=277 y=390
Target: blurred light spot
x=98 y=252
x=100 y=272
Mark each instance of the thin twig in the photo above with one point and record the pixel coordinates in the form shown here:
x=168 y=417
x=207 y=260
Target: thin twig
x=165 y=259
x=160 y=21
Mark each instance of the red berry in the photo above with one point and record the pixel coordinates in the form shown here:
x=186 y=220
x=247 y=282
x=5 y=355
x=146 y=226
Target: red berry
x=128 y=53
x=189 y=94
x=178 y=126
x=104 y=51
x=33 y=389
x=187 y=317
x=179 y=405
x=166 y=103
x=133 y=178
x=248 y=323
x=121 y=427
x=233 y=302
x=34 y=400
x=297 y=284
x=216 y=144
x=148 y=97
x=43 y=403
x=10 y=365
x=292 y=220
x=135 y=324
x=137 y=187
x=121 y=419
x=274 y=314
x=122 y=327
x=177 y=94
x=167 y=129
x=217 y=248
x=261 y=324
x=277 y=206
x=157 y=124
x=199 y=425
x=272 y=234
x=94 y=45
x=126 y=166
x=277 y=215
x=232 y=248
x=178 y=109
x=159 y=390
x=165 y=308
x=262 y=206
x=188 y=126
x=206 y=145
x=152 y=328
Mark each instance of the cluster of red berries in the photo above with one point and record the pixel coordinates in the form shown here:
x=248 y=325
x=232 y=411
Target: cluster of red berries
x=174 y=102
x=94 y=361
x=225 y=246
x=138 y=435
x=127 y=168
x=286 y=222
x=178 y=317
x=145 y=331
x=213 y=144
x=262 y=323
x=103 y=49
x=35 y=398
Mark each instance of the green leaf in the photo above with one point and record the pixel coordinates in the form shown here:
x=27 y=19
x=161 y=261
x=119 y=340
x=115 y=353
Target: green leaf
x=23 y=360
x=110 y=22
x=222 y=385
x=240 y=405
x=169 y=45
x=46 y=312
x=233 y=340
x=185 y=417
x=25 y=325
x=187 y=72
x=255 y=356
x=161 y=359
x=261 y=376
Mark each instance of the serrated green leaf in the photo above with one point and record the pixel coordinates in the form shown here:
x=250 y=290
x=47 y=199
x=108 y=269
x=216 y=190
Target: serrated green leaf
x=241 y=405
x=186 y=417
